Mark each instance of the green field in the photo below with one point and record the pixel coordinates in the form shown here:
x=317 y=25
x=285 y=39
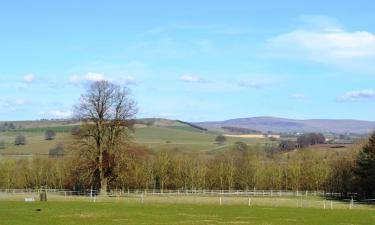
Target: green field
x=66 y=213
x=163 y=135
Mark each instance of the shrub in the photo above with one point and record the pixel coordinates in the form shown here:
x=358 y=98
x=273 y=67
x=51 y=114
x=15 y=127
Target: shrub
x=220 y=139
x=58 y=150
x=20 y=140
x=50 y=135
x=287 y=145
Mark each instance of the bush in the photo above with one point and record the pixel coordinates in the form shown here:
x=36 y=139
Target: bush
x=58 y=150
x=308 y=139
x=20 y=140
x=2 y=144
x=287 y=145
x=50 y=135
x=240 y=146
x=220 y=139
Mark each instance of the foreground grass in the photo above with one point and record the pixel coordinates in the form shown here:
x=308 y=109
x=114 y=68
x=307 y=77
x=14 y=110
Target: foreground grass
x=66 y=213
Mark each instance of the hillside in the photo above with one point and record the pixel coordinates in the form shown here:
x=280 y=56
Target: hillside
x=275 y=124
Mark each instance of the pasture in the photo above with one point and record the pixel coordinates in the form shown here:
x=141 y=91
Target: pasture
x=162 y=135
x=133 y=212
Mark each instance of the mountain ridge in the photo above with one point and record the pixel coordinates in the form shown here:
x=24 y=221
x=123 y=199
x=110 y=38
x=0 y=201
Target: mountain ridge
x=278 y=124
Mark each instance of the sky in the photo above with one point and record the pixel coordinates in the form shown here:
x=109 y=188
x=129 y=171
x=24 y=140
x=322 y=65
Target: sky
x=193 y=60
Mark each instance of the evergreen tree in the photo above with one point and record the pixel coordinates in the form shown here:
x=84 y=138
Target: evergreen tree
x=365 y=171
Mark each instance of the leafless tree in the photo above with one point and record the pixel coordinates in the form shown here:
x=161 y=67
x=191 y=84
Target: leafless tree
x=106 y=111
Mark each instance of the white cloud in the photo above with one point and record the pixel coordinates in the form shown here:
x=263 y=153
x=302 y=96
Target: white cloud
x=56 y=113
x=74 y=79
x=94 y=77
x=192 y=79
x=29 y=78
x=325 y=42
x=358 y=95
x=90 y=77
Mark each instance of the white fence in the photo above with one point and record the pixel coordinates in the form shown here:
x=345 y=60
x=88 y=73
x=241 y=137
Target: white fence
x=302 y=199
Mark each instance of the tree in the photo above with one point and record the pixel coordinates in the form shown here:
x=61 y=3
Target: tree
x=20 y=140
x=106 y=111
x=365 y=172
x=220 y=139
x=50 y=135
x=308 y=139
x=287 y=145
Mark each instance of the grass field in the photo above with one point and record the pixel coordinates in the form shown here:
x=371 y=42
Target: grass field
x=108 y=213
x=165 y=135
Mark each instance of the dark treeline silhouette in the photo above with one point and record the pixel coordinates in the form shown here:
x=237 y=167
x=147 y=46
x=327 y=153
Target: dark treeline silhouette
x=308 y=139
x=193 y=125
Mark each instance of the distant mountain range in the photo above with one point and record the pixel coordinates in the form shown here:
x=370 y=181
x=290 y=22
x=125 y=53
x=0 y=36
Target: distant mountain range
x=275 y=124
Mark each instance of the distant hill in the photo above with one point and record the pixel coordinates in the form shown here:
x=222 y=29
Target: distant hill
x=275 y=124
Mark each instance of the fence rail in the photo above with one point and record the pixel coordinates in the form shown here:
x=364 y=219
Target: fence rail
x=246 y=193
x=304 y=199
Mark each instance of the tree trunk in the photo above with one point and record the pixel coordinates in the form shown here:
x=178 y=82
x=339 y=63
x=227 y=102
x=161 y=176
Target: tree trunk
x=103 y=185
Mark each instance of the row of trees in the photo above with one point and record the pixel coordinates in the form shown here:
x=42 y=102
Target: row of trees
x=242 y=167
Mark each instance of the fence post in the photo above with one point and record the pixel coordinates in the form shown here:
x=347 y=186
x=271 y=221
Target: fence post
x=331 y=204
x=324 y=204
x=220 y=201
x=249 y=201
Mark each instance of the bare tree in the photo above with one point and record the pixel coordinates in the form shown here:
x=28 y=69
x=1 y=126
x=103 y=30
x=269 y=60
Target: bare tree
x=106 y=111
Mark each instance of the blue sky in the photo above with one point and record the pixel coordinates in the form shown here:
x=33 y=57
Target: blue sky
x=195 y=61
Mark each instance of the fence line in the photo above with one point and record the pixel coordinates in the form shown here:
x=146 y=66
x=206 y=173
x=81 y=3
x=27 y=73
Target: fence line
x=258 y=193
x=300 y=199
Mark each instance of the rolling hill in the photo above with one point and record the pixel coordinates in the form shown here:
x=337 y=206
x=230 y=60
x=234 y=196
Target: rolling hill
x=276 y=124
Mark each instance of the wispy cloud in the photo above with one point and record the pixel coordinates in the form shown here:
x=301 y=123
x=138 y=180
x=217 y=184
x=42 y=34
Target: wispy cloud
x=29 y=78
x=358 y=95
x=90 y=77
x=325 y=42
x=94 y=77
x=56 y=114
x=193 y=79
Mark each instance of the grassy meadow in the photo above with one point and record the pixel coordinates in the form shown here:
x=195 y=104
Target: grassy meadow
x=162 y=135
x=112 y=213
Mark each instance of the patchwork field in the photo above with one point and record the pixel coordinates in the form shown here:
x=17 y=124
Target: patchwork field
x=162 y=135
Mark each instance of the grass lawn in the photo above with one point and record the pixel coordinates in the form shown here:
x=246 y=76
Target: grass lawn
x=66 y=213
